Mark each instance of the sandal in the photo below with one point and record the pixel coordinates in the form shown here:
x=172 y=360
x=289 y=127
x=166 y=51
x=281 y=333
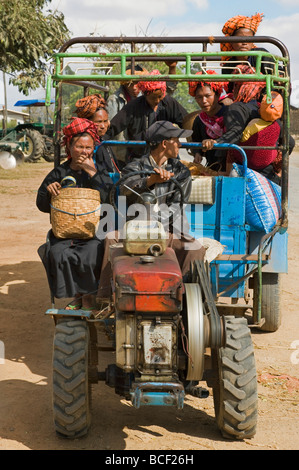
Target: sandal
x=88 y=302
x=73 y=305
x=88 y=309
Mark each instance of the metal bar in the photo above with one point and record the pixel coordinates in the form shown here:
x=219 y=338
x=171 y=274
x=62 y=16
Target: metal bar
x=57 y=125
x=186 y=56
x=241 y=257
x=174 y=40
x=236 y=283
x=183 y=145
x=84 y=84
x=70 y=313
x=267 y=237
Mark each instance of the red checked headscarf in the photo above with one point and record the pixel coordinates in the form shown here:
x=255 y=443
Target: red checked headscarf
x=147 y=87
x=86 y=107
x=246 y=91
x=237 y=22
x=79 y=126
x=217 y=87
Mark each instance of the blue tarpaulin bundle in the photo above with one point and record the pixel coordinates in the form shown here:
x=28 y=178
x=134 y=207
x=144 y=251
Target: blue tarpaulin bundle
x=25 y=103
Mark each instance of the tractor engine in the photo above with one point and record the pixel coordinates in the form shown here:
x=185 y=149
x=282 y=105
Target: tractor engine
x=148 y=298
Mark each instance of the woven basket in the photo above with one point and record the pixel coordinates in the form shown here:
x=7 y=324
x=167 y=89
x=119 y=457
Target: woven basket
x=75 y=213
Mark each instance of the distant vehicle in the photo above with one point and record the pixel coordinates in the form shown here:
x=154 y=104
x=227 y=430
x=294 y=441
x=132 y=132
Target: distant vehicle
x=37 y=136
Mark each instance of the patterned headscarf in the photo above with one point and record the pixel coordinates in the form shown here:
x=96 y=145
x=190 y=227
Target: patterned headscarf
x=217 y=87
x=86 y=107
x=237 y=22
x=79 y=126
x=138 y=71
x=246 y=91
x=152 y=86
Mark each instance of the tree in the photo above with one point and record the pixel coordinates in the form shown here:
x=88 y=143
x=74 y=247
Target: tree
x=29 y=34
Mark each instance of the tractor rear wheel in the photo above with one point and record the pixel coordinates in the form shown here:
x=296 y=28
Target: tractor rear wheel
x=271 y=301
x=235 y=388
x=71 y=387
x=35 y=144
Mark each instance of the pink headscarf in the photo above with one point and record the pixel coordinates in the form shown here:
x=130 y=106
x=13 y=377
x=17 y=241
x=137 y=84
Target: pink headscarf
x=146 y=87
x=217 y=87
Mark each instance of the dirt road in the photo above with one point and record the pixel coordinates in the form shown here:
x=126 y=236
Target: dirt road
x=26 y=336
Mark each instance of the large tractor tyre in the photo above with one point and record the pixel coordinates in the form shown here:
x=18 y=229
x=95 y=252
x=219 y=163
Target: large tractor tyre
x=71 y=387
x=235 y=389
x=271 y=301
x=35 y=145
x=49 y=149
x=48 y=156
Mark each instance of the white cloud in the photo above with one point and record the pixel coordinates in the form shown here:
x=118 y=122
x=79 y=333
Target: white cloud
x=285 y=28
x=162 y=18
x=112 y=18
x=291 y=3
x=200 y=4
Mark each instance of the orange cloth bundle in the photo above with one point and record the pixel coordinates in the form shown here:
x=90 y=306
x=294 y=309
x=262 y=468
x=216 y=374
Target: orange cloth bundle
x=197 y=169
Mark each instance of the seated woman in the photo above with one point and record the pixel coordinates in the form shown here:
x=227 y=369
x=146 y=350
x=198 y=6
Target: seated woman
x=244 y=26
x=73 y=265
x=219 y=123
x=209 y=124
x=94 y=108
x=139 y=114
x=264 y=131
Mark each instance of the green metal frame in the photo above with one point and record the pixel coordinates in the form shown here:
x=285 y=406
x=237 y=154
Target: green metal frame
x=188 y=58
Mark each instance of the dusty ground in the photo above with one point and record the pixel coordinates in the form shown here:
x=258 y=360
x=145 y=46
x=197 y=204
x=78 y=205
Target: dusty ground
x=26 y=333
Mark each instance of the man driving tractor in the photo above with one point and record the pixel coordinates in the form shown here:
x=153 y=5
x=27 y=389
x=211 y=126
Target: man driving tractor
x=163 y=163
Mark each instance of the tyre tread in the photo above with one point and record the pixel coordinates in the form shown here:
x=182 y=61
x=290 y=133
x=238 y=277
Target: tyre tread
x=71 y=401
x=235 y=396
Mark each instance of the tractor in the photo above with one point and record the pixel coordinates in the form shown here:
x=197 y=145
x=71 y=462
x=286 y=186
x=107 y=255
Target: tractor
x=168 y=336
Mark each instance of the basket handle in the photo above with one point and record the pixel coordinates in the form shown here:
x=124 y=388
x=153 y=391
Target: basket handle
x=75 y=215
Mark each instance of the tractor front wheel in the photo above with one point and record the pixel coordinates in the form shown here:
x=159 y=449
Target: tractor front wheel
x=235 y=388
x=71 y=387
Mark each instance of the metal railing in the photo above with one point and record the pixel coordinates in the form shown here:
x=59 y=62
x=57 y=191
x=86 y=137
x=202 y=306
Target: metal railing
x=276 y=80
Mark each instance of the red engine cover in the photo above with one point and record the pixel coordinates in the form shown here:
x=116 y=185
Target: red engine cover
x=147 y=287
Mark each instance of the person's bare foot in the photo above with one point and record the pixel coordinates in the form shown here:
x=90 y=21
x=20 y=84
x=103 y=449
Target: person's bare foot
x=75 y=304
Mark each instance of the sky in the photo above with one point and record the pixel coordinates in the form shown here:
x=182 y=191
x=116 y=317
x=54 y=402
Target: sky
x=176 y=18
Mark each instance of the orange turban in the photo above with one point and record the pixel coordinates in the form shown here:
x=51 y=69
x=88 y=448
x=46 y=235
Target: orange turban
x=237 y=22
x=86 y=107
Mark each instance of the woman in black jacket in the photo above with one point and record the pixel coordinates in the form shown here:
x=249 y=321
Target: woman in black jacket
x=139 y=114
x=73 y=265
x=94 y=108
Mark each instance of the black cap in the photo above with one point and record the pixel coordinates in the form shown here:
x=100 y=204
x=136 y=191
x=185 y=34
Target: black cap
x=164 y=130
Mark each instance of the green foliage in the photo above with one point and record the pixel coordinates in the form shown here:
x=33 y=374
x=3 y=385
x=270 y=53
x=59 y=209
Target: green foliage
x=182 y=96
x=28 y=37
x=10 y=125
